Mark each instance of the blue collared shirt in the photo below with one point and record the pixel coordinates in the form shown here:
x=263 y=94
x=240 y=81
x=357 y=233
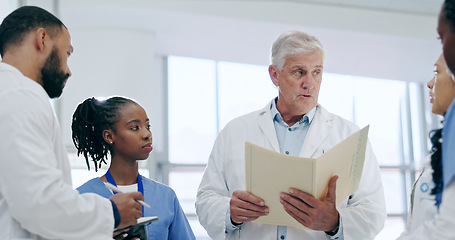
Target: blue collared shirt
x=290 y=139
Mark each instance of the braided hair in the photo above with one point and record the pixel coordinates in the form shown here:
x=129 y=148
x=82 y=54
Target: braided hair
x=90 y=119
x=436 y=162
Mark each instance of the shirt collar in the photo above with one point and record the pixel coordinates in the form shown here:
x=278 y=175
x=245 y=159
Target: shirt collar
x=276 y=115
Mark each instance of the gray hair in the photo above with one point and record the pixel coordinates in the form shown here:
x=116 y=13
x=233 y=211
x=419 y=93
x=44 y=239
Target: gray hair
x=292 y=43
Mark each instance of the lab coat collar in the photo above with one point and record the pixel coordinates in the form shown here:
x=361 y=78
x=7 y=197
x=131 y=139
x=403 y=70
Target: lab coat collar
x=318 y=132
x=320 y=128
x=265 y=122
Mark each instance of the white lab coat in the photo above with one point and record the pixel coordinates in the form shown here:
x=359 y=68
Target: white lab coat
x=37 y=200
x=445 y=220
x=363 y=215
x=421 y=217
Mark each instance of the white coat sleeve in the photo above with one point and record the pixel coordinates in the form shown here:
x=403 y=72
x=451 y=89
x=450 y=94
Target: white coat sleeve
x=213 y=197
x=34 y=182
x=365 y=213
x=423 y=232
x=445 y=220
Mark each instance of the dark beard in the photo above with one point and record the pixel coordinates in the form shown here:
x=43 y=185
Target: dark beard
x=52 y=77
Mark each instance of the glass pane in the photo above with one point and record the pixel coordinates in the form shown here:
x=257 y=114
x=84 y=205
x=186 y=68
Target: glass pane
x=394 y=191
x=192 y=109
x=419 y=130
x=80 y=174
x=198 y=230
x=382 y=111
x=336 y=95
x=242 y=88
x=185 y=183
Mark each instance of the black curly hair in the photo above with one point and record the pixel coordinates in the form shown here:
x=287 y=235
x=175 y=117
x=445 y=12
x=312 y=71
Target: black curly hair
x=90 y=119
x=448 y=9
x=436 y=160
x=23 y=20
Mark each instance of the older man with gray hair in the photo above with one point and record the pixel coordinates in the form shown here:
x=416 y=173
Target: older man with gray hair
x=294 y=124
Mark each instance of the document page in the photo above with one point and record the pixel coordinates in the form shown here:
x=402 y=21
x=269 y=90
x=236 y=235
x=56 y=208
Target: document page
x=269 y=173
x=345 y=160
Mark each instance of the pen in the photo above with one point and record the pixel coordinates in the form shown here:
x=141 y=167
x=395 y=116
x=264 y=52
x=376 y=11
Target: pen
x=116 y=189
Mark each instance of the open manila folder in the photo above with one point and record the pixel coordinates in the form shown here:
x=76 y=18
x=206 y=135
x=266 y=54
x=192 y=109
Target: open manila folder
x=269 y=173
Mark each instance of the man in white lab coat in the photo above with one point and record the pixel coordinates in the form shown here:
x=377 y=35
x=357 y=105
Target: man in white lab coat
x=37 y=200
x=294 y=124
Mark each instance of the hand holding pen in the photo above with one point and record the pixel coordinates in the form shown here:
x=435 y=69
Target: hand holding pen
x=129 y=210
x=116 y=189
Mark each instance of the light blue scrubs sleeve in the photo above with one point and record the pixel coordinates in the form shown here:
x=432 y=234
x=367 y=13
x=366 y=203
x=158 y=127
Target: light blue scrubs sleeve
x=448 y=143
x=180 y=228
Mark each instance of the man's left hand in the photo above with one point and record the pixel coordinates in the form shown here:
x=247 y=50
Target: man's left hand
x=319 y=215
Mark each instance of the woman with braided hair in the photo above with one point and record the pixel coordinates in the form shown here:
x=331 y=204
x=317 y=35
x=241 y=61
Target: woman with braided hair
x=119 y=127
x=427 y=190
x=445 y=221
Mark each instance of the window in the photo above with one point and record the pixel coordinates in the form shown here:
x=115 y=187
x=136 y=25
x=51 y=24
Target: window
x=192 y=109
x=350 y=97
x=203 y=95
x=397 y=114
x=80 y=173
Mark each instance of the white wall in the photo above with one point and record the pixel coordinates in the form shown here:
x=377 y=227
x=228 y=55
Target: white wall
x=119 y=45
x=358 y=41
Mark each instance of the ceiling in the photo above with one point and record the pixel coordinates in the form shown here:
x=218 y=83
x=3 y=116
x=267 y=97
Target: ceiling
x=427 y=7
x=392 y=39
x=421 y=7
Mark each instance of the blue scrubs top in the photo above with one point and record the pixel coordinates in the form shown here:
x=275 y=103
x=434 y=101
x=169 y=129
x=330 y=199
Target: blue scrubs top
x=172 y=223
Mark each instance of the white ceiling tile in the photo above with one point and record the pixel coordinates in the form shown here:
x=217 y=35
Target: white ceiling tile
x=426 y=7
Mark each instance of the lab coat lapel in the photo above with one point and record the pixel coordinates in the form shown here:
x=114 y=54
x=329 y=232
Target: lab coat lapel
x=266 y=125
x=319 y=130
